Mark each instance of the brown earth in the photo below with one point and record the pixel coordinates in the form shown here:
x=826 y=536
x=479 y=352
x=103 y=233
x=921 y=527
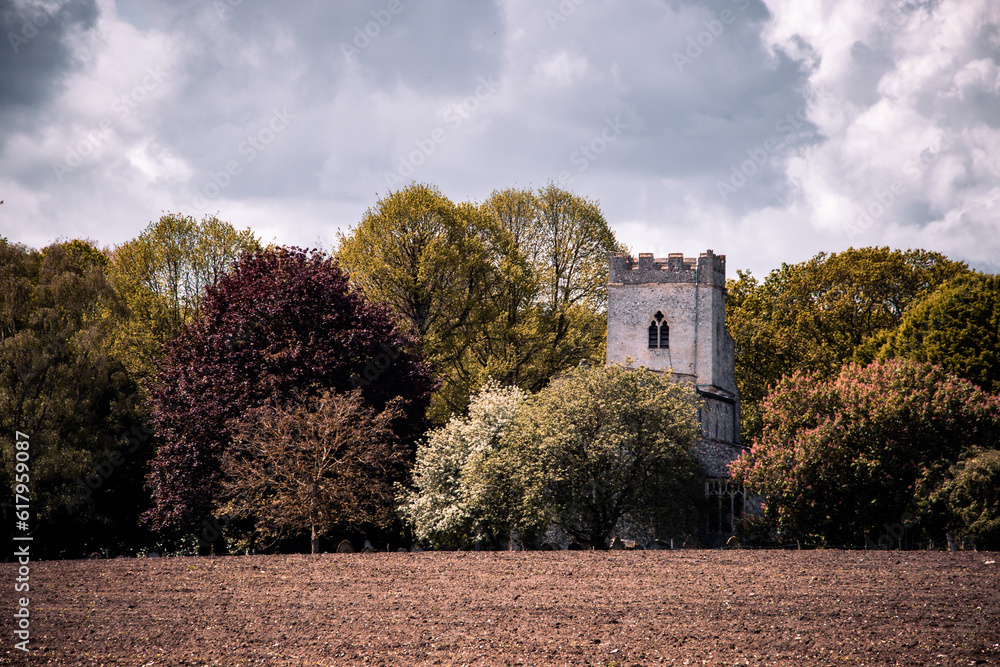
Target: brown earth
x=530 y=608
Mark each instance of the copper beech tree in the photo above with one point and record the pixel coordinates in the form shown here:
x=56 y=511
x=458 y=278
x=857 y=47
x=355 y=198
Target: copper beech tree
x=281 y=322
x=313 y=463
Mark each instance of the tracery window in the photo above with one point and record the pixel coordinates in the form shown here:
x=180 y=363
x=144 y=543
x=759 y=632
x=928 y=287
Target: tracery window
x=659 y=332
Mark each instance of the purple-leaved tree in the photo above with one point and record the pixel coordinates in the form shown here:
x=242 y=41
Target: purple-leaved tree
x=284 y=321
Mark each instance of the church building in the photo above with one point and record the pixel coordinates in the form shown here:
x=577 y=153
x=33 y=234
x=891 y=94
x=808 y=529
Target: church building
x=669 y=315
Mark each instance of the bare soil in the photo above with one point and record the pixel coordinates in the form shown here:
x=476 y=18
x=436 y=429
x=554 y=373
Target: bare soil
x=531 y=608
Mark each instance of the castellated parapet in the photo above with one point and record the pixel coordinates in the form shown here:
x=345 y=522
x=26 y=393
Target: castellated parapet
x=707 y=269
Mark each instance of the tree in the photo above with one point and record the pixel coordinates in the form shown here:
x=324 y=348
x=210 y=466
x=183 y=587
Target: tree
x=161 y=276
x=972 y=497
x=818 y=315
x=842 y=459
x=446 y=507
x=553 y=292
x=313 y=463
x=957 y=327
x=61 y=387
x=282 y=321
x=421 y=254
x=511 y=289
x=597 y=448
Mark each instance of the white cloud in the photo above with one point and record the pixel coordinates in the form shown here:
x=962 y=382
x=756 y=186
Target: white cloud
x=853 y=99
x=560 y=69
x=902 y=160
x=156 y=163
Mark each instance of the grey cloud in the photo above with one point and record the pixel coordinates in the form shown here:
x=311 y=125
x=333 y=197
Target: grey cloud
x=34 y=56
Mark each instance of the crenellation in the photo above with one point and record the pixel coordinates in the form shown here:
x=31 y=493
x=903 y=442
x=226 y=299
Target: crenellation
x=706 y=269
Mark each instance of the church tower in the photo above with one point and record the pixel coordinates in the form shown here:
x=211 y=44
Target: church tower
x=670 y=316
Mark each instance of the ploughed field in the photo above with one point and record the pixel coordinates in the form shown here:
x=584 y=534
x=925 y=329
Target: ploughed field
x=532 y=608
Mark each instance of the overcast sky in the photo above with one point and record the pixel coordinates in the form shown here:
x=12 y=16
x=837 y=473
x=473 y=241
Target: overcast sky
x=767 y=131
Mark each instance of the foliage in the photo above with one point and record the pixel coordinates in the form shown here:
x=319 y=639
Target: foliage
x=424 y=256
x=841 y=458
x=972 y=496
x=818 y=315
x=161 y=276
x=446 y=506
x=283 y=321
x=596 y=447
x=957 y=327
x=560 y=243
x=511 y=289
x=76 y=403
x=313 y=463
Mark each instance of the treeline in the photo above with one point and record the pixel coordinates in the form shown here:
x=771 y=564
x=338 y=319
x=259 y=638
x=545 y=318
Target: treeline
x=441 y=377
x=868 y=382
x=510 y=288
x=80 y=329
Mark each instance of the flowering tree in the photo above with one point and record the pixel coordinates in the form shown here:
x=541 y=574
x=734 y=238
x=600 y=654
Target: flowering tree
x=842 y=459
x=448 y=505
x=599 y=446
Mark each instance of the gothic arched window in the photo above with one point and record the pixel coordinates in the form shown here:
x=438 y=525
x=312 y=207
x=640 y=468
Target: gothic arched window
x=659 y=332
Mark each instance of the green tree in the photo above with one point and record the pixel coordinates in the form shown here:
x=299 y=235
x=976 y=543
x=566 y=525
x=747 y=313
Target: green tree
x=841 y=459
x=818 y=315
x=79 y=407
x=423 y=255
x=511 y=289
x=599 y=448
x=555 y=281
x=313 y=463
x=957 y=327
x=446 y=506
x=972 y=497
x=161 y=276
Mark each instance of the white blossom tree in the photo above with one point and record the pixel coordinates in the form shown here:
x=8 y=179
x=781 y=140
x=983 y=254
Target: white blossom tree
x=447 y=504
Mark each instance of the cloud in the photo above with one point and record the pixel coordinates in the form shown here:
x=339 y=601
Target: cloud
x=36 y=54
x=768 y=131
x=912 y=151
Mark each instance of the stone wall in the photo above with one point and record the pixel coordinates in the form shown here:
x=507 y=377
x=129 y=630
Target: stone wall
x=640 y=289
x=691 y=294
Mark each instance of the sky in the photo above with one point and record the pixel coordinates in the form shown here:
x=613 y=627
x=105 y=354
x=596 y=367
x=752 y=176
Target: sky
x=766 y=130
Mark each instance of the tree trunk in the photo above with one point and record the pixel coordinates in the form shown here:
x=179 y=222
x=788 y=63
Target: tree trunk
x=315 y=540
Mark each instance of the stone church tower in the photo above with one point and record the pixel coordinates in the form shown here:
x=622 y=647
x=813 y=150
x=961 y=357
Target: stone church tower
x=670 y=316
